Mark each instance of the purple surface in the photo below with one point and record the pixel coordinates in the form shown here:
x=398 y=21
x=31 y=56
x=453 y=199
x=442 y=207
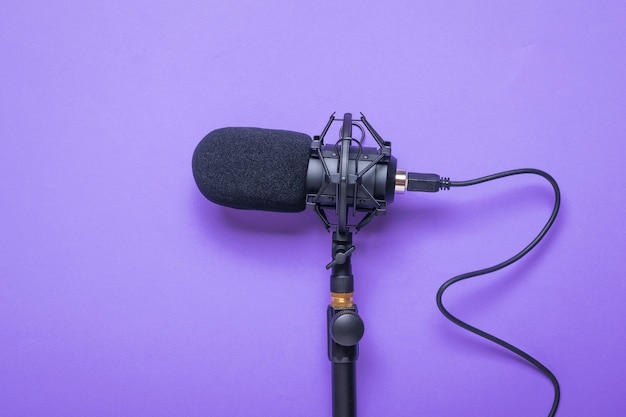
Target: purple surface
x=123 y=292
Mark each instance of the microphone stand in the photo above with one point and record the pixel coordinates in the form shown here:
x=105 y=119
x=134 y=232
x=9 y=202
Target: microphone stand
x=344 y=188
x=345 y=327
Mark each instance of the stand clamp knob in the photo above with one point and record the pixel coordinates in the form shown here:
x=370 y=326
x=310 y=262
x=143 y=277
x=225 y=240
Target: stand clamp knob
x=346 y=327
x=341 y=257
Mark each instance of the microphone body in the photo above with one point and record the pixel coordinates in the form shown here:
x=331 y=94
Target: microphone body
x=377 y=179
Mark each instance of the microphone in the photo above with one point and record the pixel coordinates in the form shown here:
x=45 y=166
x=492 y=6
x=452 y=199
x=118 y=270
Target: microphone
x=279 y=170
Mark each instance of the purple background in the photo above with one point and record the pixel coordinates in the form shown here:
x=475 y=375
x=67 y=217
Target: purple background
x=124 y=293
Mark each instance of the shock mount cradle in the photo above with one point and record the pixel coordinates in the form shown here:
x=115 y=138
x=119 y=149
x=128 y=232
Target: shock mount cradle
x=362 y=181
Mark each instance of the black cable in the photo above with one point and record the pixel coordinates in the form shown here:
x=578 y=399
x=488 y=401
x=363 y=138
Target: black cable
x=445 y=183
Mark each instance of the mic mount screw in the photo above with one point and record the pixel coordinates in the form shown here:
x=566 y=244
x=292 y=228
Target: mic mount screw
x=341 y=257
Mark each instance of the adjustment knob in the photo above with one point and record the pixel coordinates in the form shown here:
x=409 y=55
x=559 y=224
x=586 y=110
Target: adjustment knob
x=341 y=257
x=346 y=328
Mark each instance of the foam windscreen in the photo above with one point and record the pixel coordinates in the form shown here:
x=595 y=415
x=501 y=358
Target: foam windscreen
x=253 y=168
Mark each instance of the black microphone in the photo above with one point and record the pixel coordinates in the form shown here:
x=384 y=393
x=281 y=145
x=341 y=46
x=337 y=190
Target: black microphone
x=279 y=170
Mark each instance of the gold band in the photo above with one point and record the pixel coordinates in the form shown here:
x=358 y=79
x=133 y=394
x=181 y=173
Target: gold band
x=342 y=299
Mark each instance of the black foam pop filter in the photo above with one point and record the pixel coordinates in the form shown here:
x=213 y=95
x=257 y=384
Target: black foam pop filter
x=253 y=168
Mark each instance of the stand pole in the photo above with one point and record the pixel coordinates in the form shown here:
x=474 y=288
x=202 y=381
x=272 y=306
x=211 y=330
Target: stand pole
x=344 y=389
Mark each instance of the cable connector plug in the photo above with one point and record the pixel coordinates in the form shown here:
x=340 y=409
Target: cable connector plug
x=430 y=183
